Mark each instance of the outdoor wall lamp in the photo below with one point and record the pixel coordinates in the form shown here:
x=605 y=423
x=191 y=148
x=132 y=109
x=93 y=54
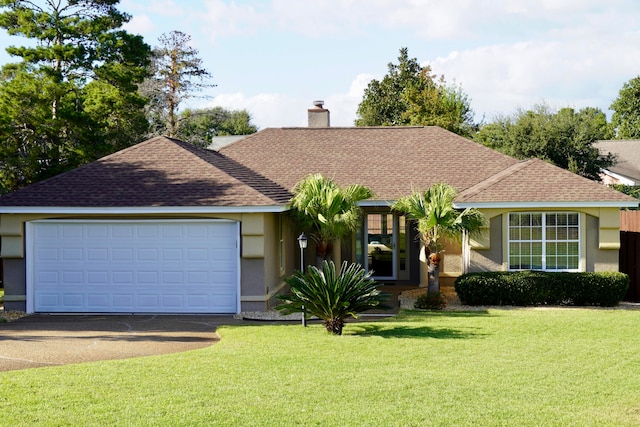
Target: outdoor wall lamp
x=302 y=242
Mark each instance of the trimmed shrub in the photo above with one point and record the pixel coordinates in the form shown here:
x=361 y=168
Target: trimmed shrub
x=434 y=301
x=524 y=288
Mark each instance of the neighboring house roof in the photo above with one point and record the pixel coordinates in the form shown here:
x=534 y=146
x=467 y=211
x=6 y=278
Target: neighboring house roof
x=627 y=152
x=217 y=142
x=537 y=182
x=157 y=172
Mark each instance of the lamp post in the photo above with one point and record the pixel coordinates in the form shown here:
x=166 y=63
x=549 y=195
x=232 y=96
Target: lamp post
x=302 y=242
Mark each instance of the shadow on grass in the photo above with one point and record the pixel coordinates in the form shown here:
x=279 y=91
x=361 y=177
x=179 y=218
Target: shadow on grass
x=400 y=331
x=400 y=326
x=421 y=315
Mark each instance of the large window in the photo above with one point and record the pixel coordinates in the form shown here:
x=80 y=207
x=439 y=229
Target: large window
x=544 y=241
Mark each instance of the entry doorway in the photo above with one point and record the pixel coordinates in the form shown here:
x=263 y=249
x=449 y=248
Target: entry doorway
x=385 y=242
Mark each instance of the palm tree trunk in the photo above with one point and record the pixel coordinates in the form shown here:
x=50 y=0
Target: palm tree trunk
x=324 y=252
x=434 y=273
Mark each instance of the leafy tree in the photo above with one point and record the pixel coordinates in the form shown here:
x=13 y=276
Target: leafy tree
x=436 y=221
x=626 y=107
x=565 y=138
x=327 y=212
x=53 y=102
x=383 y=103
x=199 y=126
x=409 y=94
x=332 y=296
x=177 y=74
x=631 y=190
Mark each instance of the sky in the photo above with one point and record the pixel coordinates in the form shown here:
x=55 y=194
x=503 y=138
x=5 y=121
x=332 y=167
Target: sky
x=275 y=57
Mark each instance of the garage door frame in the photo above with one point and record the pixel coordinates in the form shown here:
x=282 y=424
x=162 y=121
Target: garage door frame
x=30 y=247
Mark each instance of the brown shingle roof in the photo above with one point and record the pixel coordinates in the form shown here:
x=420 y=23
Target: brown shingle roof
x=535 y=180
x=157 y=172
x=392 y=161
x=262 y=169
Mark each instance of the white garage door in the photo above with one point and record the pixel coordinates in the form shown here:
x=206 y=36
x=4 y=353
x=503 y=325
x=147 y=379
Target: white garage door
x=188 y=266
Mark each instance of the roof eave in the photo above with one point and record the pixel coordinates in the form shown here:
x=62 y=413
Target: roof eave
x=543 y=205
x=141 y=210
x=624 y=179
x=376 y=203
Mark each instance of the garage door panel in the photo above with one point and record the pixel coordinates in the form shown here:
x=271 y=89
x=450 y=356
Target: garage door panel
x=48 y=300
x=72 y=232
x=148 y=301
x=97 y=277
x=172 y=255
x=122 y=254
x=72 y=300
x=47 y=254
x=98 y=301
x=134 y=266
x=119 y=231
x=122 y=301
x=98 y=232
x=97 y=254
x=72 y=277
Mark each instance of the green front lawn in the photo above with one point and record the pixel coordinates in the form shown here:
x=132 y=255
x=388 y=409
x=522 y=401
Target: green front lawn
x=521 y=367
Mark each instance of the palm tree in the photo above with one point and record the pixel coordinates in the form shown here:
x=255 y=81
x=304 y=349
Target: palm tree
x=331 y=296
x=327 y=212
x=437 y=220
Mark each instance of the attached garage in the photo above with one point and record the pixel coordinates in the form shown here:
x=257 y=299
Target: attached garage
x=133 y=266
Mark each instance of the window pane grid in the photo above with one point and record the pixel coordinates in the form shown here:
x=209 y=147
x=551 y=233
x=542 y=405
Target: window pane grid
x=544 y=241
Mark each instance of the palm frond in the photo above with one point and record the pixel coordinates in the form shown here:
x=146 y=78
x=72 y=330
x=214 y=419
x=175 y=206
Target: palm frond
x=332 y=296
x=325 y=210
x=436 y=217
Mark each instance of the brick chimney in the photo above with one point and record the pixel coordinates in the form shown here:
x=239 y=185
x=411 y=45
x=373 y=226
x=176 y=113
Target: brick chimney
x=318 y=115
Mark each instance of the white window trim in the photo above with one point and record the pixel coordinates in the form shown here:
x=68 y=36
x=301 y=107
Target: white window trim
x=544 y=239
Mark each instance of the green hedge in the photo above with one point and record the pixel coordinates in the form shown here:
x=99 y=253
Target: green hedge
x=523 y=288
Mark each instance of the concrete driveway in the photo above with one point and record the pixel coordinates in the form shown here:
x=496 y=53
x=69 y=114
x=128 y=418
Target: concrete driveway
x=50 y=340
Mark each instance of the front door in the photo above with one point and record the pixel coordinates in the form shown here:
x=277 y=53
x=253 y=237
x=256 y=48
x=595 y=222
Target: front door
x=385 y=244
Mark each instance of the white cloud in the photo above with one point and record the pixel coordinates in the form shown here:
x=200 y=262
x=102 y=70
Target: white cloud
x=277 y=110
x=576 y=65
x=266 y=109
x=229 y=19
x=504 y=53
x=140 y=24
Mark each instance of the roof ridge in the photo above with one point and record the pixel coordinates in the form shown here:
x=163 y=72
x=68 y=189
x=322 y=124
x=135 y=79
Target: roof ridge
x=496 y=178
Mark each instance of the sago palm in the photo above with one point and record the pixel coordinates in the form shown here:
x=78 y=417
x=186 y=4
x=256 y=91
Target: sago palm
x=332 y=296
x=326 y=211
x=437 y=220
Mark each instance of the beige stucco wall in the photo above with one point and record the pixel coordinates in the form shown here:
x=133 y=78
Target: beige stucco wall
x=486 y=253
x=600 y=229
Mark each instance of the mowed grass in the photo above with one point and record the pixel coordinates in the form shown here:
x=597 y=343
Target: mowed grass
x=521 y=367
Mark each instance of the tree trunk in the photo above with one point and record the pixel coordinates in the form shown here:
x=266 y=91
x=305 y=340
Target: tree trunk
x=334 y=326
x=423 y=259
x=434 y=273
x=323 y=253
